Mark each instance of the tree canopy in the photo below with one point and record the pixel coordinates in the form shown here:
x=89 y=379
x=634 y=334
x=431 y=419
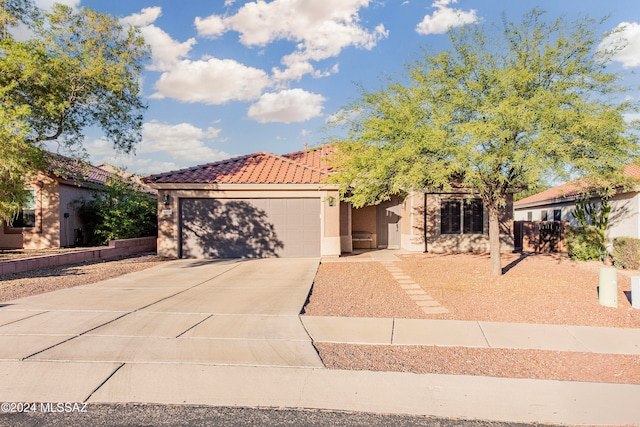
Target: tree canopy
x=501 y=109
x=79 y=69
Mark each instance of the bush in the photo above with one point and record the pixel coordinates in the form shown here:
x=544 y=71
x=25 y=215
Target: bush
x=118 y=211
x=626 y=252
x=584 y=243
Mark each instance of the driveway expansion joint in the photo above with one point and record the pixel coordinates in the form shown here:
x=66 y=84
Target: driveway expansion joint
x=104 y=382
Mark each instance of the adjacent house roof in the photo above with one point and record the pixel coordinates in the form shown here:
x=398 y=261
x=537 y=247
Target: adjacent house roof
x=257 y=168
x=569 y=190
x=75 y=170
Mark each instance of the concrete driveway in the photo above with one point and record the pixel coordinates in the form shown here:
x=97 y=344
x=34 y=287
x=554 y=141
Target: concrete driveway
x=235 y=312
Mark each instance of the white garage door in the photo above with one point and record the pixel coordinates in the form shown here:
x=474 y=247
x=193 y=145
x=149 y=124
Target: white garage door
x=249 y=228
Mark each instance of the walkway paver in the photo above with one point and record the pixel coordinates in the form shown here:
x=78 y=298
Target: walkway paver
x=426 y=302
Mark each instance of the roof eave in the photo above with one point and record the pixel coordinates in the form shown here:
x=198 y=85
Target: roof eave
x=229 y=187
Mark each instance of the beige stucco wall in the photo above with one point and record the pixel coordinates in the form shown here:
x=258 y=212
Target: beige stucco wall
x=364 y=219
x=168 y=216
x=441 y=243
x=624 y=218
x=46 y=234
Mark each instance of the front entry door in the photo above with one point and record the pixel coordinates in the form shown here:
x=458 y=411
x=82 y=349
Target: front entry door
x=388 y=224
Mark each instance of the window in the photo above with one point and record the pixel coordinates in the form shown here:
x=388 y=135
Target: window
x=545 y=216
x=557 y=215
x=450 y=217
x=26 y=218
x=529 y=216
x=461 y=215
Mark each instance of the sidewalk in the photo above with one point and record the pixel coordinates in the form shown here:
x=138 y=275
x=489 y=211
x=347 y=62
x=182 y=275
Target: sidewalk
x=228 y=333
x=357 y=330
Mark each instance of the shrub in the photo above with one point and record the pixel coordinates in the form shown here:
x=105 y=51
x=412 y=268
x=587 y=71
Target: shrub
x=626 y=252
x=584 y=243
x=118 y=211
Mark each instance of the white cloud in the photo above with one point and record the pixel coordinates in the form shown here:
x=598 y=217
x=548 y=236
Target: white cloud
x=211 y=81
x=627 y=36
x=48 y=4
x=321 y=29
x=445 y=17
x=182 y=144
x=147 y=16
x=212 y=26
x=22 y=33
x=287 y=106
x=165 y=51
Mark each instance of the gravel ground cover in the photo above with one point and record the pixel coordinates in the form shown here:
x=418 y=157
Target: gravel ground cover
x=545 y=289
x=491 y=362
x=535 y=289
x=20 y=285
x=551 y=289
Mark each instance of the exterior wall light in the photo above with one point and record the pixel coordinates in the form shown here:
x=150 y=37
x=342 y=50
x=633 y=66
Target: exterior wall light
x=331 y=200
x=165 y=199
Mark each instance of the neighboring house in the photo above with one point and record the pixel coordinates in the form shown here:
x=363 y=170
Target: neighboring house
x=125 y=175
x=50 y=219
x=265 y=204
x=556 y=204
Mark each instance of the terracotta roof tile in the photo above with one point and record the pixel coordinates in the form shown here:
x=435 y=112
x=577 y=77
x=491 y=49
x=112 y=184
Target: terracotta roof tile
x=317 y=157
x=75 y=170
x=257 y=168
x=571 y=189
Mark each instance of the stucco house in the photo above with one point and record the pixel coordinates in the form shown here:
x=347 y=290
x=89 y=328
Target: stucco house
x=264 y=204
x=556 y=204
x=50 y=219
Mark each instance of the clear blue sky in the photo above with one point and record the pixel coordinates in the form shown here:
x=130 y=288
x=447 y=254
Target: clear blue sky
x=232 y=77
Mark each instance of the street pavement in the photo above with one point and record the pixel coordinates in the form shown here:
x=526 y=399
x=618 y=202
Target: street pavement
x=229 y=334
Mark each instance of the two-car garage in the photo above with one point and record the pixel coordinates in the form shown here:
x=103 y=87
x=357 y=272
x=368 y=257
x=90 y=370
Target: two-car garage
x=249 y=227
x=253 y=206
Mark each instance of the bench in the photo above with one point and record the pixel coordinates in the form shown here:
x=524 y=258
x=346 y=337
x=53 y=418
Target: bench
x=362 y=236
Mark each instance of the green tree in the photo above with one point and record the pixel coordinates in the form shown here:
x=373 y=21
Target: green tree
x=502 y=108
x=79 y=70
x=119 y=210
x=596 y=215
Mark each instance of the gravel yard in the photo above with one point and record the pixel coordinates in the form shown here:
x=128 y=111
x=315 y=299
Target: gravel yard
x=20 y=285
x=549 y=289
x=535 y=289
x=540 y=288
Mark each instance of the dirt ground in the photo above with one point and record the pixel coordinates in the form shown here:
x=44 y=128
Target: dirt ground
x=20 y=285
x=535 y=289
x=538 y=288
x=550 y=289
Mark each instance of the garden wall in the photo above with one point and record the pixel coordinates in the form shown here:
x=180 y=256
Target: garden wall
x=116 y=248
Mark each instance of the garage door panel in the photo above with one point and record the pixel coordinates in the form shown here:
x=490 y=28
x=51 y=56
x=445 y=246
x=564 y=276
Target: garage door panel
x=250 y=228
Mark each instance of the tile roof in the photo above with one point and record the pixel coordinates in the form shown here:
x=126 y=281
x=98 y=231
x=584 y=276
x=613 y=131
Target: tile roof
x=318 y=157
x=257 y=168
x=76 y=170
x=571 y=189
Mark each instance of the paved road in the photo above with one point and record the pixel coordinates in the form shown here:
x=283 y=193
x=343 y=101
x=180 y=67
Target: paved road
x=191 y=416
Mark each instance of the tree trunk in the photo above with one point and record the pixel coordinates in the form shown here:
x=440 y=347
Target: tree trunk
x=494 y=240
